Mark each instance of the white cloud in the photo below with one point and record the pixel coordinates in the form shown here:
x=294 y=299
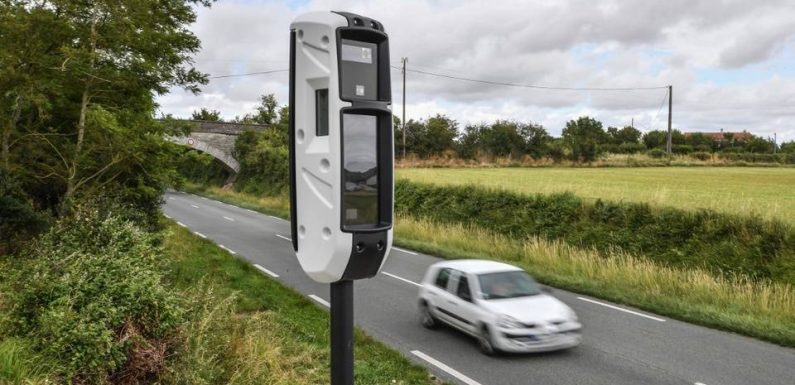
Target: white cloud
x=555 y=43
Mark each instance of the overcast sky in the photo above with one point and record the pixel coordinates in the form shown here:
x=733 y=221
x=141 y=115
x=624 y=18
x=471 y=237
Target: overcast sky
x=731 y=63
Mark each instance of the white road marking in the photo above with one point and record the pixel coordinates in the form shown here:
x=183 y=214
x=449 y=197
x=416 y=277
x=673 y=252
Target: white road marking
x=194 y=206
x=227 y=249
x=461 y=377
x=204 y=198
x=167 y=216
x=320 y=300
x=171 y=198
x=402 y=279
x=275 y=217
x=229 y=219
x=699 y=383
x=266 y=271
x=621 y=309
x=251 y=211
x=283 y=237
x=200 y=234
x=182 y=224
x=405 y=251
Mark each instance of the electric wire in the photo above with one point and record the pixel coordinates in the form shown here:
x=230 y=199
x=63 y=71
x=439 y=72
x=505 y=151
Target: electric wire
x=247 y=74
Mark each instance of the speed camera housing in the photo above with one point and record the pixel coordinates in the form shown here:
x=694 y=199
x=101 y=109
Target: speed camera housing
x=341 y=150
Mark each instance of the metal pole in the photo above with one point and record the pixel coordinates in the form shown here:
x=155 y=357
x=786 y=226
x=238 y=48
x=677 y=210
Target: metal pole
x=670 y=104
x=403 y=121
x=775 y=142
x=342 y=333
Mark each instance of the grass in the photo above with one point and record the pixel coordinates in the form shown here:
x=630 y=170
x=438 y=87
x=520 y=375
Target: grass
x=254 y=330
x=759 y=309
x=766 y=192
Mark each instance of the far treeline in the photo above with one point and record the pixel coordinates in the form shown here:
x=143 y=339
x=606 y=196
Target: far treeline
x=583 y=139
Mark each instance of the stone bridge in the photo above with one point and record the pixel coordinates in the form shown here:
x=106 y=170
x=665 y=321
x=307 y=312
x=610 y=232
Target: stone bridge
x=215 y=138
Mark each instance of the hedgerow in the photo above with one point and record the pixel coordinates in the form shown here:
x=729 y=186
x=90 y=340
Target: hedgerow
x=721 y=243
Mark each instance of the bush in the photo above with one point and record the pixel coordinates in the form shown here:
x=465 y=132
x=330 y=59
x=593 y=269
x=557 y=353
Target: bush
x=264 y=165
x=754 y=158
x=681 y=149
x=19 y=220
x=89 y=294
x=656 y=153
x=722 y=243
x=701 y=155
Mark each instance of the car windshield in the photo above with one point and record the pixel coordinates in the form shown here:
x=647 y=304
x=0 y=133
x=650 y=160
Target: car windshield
x=507 y=284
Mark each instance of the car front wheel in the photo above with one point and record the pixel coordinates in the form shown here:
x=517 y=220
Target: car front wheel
x=426 y=318
x=486 y=343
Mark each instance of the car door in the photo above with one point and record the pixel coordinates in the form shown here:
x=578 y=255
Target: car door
x=466 y=308
x=439 y=295
x=453 y=306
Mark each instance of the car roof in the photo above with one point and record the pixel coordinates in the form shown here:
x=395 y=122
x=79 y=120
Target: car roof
x=476 y=266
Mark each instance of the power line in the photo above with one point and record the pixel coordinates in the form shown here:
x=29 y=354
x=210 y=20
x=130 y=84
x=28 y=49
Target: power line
x=247 y=74
x=534 y=86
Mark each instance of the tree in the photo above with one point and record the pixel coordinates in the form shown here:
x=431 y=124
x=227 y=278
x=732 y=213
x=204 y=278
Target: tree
x=206 y=115
x=628 y=134
x=440 y=133
x=468 y=143
x=103 y=62
x=759 y=145
x=503 y=138
x=583 y=137
x=267 y=111
x=536 y=140
x=655 y=139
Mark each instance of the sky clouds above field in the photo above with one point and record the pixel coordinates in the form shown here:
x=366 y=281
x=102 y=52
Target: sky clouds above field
x=732 y=63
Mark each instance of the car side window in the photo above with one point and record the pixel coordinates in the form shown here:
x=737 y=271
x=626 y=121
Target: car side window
x=442 y=278
x=463 y=291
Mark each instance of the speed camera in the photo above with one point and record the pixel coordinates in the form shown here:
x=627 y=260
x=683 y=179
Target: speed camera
x=341 y=150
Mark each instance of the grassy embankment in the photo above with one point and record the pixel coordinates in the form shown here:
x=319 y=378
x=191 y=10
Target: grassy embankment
x=759 y=309
x=243 y=328
x=746 y=191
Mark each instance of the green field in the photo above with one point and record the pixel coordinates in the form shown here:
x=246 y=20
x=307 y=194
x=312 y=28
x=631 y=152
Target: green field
x=769 y=192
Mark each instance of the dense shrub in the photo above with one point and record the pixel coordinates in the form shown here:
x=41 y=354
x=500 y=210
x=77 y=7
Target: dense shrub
x=19 y=219
x=756 y=158
x=200 y=168
x=89 y=294
x=705 y=239
x=264 y=167
x=681 y=149
x=656 y=153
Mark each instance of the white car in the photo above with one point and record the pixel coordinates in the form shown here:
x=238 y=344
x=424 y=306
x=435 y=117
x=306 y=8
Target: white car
x=499 y=304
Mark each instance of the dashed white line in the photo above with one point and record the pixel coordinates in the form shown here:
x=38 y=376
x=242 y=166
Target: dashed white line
x=319 y=300
x=229 y=219
x=171 y=198
x=228 y=249
x=266 y=271
x=204 y=198
x=200 y=234
x=404 y=251
x=194 y=206
x=621 y=309
x=699 y=383
x=275 y=217
x=182 y=224
x=461 y=377
x=283 y=237
x=167 y=216
x=251 y=211
x=401 y=278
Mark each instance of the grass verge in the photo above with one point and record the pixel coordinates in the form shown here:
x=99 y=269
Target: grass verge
x=254 y=330
x=759 y=309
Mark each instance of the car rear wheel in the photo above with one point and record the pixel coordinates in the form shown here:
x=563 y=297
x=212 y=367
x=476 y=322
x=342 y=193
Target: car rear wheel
x=485 y=342
x=426 y=318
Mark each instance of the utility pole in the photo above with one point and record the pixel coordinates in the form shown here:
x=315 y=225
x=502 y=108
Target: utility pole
x=633 y=123
x=775 y=142
x=403 y=120
x=670 y=104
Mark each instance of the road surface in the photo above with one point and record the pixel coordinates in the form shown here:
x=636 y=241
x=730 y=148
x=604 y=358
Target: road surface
x=620 y=345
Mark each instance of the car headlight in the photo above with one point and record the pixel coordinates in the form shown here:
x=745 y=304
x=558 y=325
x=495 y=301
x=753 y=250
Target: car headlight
x=508 y=322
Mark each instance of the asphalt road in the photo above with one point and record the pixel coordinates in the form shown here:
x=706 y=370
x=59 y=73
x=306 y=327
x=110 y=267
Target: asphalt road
x=620 y=345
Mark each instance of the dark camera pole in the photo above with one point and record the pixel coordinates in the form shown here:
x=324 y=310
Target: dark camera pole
x=342 y=333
